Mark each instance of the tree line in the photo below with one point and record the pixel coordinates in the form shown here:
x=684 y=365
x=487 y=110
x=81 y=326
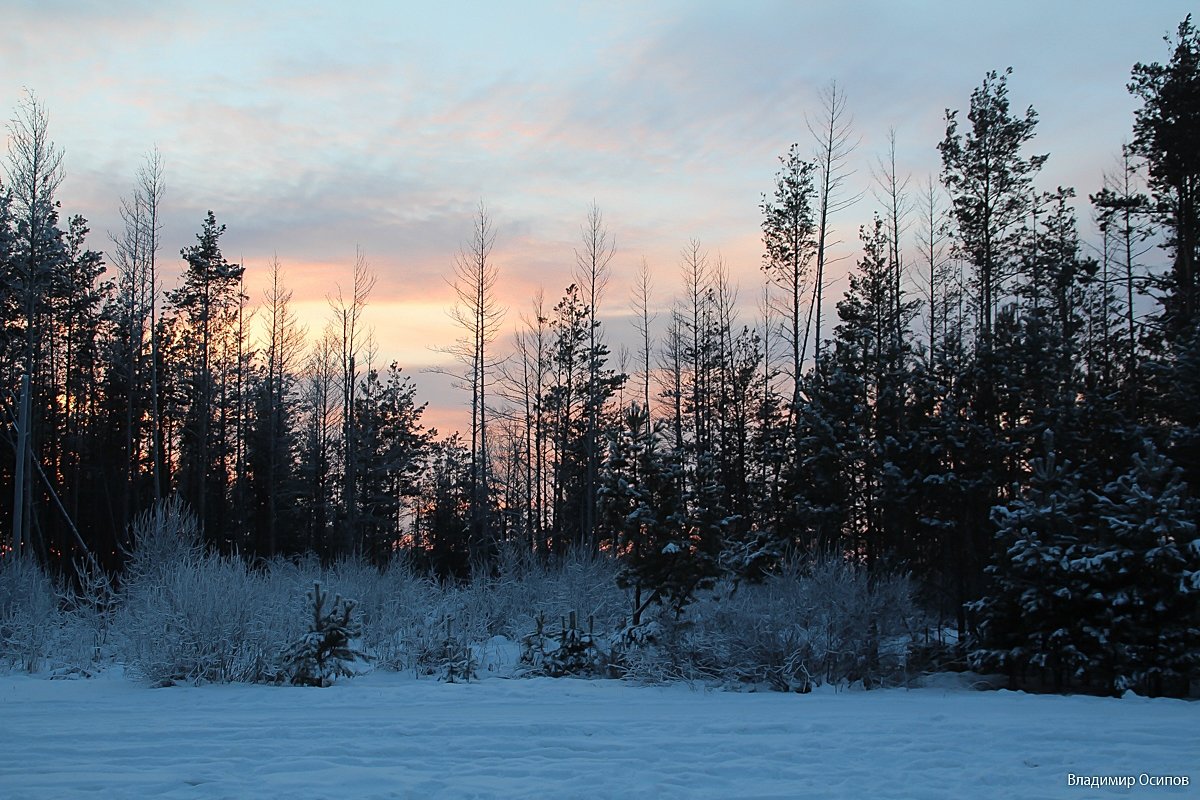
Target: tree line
x=999 y=409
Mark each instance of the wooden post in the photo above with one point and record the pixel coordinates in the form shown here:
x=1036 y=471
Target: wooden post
x=20 y=512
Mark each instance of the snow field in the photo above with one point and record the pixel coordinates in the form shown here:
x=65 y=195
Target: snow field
x=388 y=735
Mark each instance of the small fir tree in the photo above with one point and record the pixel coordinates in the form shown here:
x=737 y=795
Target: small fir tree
x=454 y=659
x=325 y=652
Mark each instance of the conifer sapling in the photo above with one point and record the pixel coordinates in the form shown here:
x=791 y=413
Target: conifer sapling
x=324 y=653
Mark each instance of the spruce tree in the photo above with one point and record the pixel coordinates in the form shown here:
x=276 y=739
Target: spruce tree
x=669 y=555
x=1034 y=616
x=1149 y=570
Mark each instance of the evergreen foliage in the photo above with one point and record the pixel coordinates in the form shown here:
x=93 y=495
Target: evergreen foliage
x=1095 y=589
x=325 y=652
x=1166 y=131
x=453 y=659
x=1067 y=558
x=570 y=651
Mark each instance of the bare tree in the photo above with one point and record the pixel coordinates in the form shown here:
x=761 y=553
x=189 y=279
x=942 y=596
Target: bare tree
x=320 y=402
x=891 y=190
x=833 y=134
x=592 y=273
x=347 y=317
x=135 y=256
x=671 y=362
x=523 y=385
x=1124 y=210
x=533 y=352
x=35 y=172
x=479 y=315
x=34 y=169
x=697 y=275
x=282 y=347
x=643 y=319
x=932 y=245
x=149 y=194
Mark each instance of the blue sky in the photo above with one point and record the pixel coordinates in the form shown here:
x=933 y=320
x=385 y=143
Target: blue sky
x=311 y=129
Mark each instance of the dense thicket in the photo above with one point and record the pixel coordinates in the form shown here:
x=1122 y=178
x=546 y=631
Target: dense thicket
x=1009 y=417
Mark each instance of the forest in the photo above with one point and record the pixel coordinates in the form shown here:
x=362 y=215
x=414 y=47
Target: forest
x=1002 y=415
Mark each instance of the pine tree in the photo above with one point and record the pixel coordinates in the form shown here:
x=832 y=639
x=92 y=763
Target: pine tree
x=442 y=519
x=872 y=366
x=393 y=447
x=1166 y=135
x=1096 y=590
x=989 y=181
x=789 y=231
x=582 y=386
x=207 y=305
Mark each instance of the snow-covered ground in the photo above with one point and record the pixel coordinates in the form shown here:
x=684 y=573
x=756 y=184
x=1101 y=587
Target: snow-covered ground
x=389 y=735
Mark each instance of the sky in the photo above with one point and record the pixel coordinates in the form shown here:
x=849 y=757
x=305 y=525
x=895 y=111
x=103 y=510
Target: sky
x=312 y=129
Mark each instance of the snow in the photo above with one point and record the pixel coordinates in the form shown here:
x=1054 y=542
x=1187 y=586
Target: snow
x=392 y=735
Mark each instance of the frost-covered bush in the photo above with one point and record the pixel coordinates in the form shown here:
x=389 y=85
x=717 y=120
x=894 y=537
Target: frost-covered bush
x=202 y=621
x=398 y=610
x=62 y=625
x=579 y=584
x=586 y=585
x=164 y=535
x=805 y=626
x=30 y=619
x=195 y=616
x=90 y=605
x=181 y=613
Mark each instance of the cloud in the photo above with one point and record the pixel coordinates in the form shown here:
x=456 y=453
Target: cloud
x=312 y=129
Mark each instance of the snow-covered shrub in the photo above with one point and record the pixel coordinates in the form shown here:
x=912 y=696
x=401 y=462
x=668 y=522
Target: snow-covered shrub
x=90 y=609
x=394 y=605
x=164 y=535
x=827 y=622
x=30 y=618
x=201 y=621
x=325 y=652
x=579 y=584
x=588 y=585
x=192 y=615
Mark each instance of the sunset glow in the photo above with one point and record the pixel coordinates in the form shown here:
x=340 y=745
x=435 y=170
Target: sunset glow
x=311 y=131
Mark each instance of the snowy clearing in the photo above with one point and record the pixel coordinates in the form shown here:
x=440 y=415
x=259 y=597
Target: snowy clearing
x=390 y=735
